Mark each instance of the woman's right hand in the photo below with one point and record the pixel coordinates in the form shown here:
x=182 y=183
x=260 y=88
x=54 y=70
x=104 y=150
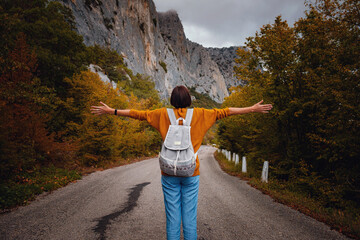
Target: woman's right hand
x=99 y=110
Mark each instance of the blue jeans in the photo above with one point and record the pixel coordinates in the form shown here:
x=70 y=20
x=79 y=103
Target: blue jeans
x=180 y=198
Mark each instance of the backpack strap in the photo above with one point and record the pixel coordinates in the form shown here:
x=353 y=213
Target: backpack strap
x=188 y=118
x=174 y=121
x=172 y=117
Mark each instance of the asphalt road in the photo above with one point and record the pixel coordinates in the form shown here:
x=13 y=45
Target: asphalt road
x=127 y=203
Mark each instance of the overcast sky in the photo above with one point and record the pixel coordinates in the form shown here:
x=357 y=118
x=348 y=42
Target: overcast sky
x=224 y=23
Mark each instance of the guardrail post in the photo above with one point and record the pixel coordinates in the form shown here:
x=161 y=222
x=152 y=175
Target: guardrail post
x=265 y=172
x=233 y=157
x=236 y=159
x=243 y=164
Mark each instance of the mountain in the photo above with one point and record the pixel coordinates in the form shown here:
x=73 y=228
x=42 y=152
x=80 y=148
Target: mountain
x=152 y=43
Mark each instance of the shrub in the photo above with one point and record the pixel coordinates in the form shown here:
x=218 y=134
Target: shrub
x=163 y=65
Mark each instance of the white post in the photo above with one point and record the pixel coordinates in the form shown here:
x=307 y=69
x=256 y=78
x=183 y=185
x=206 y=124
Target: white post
x=243 y=164
x=227 y=154
x=236 y=159
x=233 y=157
x=265 y=172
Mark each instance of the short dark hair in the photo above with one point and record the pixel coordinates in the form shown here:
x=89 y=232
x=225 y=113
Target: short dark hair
x=180 y=97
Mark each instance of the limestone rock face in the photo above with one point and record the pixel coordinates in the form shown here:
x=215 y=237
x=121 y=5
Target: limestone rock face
x=97 y=69
x=225 y=59
x=152 y=43
x=194 y=61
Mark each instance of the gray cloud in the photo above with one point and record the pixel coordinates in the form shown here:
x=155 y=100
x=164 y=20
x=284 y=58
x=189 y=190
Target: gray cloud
x=215 y=23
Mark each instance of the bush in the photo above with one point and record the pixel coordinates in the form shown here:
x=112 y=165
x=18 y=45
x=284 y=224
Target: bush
x=163 y=65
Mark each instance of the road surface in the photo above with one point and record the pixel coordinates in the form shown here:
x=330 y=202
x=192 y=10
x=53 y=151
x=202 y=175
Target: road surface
x=127 y=203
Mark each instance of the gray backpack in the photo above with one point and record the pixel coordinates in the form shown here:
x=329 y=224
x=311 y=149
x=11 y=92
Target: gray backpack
x=177 y=155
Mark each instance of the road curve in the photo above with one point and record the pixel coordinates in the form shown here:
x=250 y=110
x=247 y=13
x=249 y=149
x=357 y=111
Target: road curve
x=127 y=203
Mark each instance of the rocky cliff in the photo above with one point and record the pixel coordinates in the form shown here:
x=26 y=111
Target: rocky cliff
x=194 y=62
x=224 y=58
x=152 y=43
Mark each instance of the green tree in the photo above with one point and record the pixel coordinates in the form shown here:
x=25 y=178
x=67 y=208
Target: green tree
x=49 y=27
x=24 y=139
x=330 y=58
x=309 y=72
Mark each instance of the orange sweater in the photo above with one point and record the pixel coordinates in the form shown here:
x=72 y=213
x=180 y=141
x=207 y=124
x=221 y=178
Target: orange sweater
x=202 y=120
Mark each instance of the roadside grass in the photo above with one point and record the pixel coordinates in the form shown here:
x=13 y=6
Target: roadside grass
x=344 y=221
x=26 y=185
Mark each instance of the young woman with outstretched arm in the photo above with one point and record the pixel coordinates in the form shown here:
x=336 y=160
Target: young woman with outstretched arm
x=181 y=193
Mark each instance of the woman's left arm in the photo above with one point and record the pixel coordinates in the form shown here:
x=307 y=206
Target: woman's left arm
x=105 y=109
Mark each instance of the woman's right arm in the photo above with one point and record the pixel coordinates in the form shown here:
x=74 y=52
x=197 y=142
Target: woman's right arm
x=151 y=116
x=105 y=109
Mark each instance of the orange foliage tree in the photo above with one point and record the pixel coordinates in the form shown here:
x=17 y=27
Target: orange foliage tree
x=106 y=138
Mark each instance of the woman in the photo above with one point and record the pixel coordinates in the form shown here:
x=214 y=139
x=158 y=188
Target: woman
x=181 y=193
